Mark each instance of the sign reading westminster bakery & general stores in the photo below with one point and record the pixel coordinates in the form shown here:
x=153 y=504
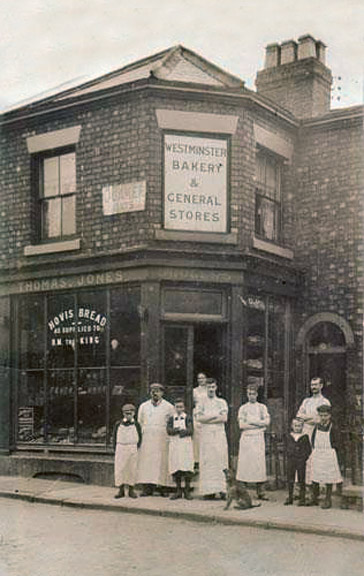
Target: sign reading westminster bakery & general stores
x=195 y=180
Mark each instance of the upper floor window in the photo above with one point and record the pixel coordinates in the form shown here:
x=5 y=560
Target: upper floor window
x=57 y=195
x=268 y=207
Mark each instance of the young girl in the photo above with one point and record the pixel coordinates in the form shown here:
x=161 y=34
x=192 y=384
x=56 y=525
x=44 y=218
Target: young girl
x=298 y=450
x=127 y=439
x=179 y=428
x=253 y=418
x=325 y=466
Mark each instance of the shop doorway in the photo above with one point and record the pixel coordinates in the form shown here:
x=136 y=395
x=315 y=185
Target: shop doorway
x=189 y=349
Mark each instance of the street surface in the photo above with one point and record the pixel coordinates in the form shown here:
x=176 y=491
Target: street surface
x=44 y=540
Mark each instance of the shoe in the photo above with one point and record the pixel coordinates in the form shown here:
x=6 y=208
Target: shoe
x=188 y=495
x=262 y=497
x=120 y=494
x=132 y=493
x=288 y=502
x=301 y=503
x=326 y=505
x=209 y=497
x=176 y=495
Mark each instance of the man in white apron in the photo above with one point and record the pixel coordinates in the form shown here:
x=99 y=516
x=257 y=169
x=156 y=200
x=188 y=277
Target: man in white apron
x=253 y=418
x=307 y=412
x=153 y=454
x=212 y=413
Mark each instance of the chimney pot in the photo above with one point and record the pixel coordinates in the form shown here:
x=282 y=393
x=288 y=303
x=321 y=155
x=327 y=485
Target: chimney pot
x=272 y=55
x=288 y=51
x=321 y=52
x=306 y=47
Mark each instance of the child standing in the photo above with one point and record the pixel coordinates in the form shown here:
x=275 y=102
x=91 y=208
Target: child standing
x=181 y=461
x=298 y=450
x=127 y=439
x=325 y=447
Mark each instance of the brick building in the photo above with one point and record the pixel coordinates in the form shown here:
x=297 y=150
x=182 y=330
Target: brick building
x=165 y=220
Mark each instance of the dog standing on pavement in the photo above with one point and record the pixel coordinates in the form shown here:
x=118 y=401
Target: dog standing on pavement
x=235 y=490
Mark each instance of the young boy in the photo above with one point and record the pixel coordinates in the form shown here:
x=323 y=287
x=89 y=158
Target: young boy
x=127 y=439
x=181 y=461
x=298 y=450
x=325 y=447
x=253 y=418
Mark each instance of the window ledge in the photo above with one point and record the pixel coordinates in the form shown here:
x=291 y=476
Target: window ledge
x=209 y=237
x=52 y=247
x=259 y=244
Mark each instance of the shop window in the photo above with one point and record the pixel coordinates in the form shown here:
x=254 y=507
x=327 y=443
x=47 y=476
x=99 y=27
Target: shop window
x=268 y=208
x=264 y=345
x=55 y=177
x=73 y=380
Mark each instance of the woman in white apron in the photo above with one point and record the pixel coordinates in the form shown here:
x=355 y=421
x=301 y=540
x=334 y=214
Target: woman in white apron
x=199 y=395
x=253 y=418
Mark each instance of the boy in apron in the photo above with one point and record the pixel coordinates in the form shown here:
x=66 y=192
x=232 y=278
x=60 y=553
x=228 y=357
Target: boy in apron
x=325 y=465
x=179 y=429
x=127 y=439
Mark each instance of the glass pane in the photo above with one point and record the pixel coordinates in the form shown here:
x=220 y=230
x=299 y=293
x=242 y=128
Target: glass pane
x=91 y=328
x=68 y=215
x=271 y=175
x=265 y=218
x=31 y=327
x=31 y=408
x=193 y=302
x=175 y=360
x=50 y=176
x=255 y=340
x=51 y=218
x=125 y=387
x=276 y=331
x=68 y=173
x=124 y=327
x=91 y=406
x=260 y=169
x=61 y=326
x=61 y=403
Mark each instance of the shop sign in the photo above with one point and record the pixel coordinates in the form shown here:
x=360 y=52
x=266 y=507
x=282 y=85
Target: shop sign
x=121 y=198
x=85 y=324
x=25 y=423
x=195 y=183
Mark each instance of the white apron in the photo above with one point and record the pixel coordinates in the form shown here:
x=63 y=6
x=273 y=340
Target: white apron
x=213 y=449
x=309 y=408
x=153 y=453
x=125 y=463
x=325 y=466
x=251 y=462
x=180 y=449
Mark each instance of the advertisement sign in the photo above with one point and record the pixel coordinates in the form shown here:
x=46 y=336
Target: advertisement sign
x=85 y=324
x=121 y=198
x=195 y=183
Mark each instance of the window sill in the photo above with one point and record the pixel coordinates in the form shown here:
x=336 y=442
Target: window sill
x=265 y=246
x=209 y=237
x=52 y=247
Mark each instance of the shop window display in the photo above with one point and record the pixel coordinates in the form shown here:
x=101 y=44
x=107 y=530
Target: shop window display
x=72 y=374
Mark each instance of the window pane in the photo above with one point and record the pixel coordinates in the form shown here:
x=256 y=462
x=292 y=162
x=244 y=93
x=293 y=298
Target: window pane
x=52 y=218
x=61 y=325
x=125 y=387
x=276 y=327
x=31 y=408
x=61 y=428
x=31 y=314
x=255 y=341
x=124 y=327
x=91 y=406
x=265 y=218
x=68 y=215
x=91 y=328
x=68 y=173
x=50 y=176
x=260 y=168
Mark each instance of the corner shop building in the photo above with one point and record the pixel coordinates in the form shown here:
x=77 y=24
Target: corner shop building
x=165 y=220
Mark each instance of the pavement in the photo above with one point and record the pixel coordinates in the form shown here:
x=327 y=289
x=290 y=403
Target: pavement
x=272 y=514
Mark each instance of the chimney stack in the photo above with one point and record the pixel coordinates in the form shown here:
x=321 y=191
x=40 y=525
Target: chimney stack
x=295 y=77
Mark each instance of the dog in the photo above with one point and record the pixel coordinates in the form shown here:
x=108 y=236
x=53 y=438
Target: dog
x=236 y=490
